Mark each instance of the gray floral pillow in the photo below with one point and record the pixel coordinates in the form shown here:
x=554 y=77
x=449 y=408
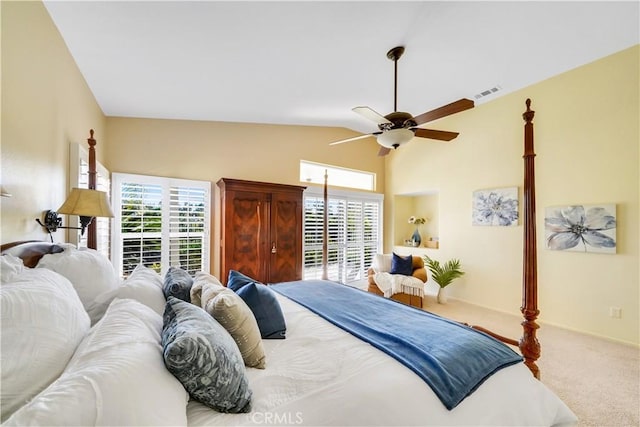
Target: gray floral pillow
x=202 y=355
x=177 y=283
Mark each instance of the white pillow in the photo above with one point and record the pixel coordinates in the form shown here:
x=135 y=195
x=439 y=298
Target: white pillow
x=117 y=377
x=143 y=285
x=10 y=267
x=382 y=263
x=42 y=323
x=90 y=272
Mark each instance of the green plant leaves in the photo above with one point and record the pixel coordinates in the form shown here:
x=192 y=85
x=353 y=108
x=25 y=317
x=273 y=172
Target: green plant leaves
x=443 y=274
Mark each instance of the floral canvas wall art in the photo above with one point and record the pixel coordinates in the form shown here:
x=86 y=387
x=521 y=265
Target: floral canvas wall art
x=498 y=206
x=581 y=228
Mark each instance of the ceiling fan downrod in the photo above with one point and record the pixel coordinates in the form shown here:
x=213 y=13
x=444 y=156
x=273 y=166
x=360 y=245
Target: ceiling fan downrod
x=395 y=54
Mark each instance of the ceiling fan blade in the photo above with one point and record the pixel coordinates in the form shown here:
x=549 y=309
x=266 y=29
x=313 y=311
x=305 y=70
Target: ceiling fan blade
x=384 y=151
x=368 y=113
x=441 y=135
x=366 y=135
x=446 y=110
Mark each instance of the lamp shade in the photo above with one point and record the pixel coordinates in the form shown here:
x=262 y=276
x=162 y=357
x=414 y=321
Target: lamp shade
x=395 y=137
x=83 y=202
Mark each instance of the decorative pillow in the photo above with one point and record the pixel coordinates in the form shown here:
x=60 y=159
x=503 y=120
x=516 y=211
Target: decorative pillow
x=177 y=283
x=42 y=322
x=204 y=358
x=143 y=285
x=381 y=263
x=238 y=280
x=237 y=318
x=265 y=307
x=205 y=287
x=90 y=272
x=401 y=265
x=115 y=378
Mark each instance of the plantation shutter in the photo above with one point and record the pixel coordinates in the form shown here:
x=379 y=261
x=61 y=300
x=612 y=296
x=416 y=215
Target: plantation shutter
x=354 y=231
x=187 y=225
x=160 y=222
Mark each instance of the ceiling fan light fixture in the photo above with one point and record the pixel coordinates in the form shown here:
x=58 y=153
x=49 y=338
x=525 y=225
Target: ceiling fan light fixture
x=394 y=138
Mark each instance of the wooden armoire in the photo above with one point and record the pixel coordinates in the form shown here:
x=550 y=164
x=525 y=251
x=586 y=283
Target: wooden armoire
x=261 y=230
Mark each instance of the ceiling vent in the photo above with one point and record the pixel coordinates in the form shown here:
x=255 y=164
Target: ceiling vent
x=487 y=92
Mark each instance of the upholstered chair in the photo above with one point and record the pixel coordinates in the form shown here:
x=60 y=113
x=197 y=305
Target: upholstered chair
x=408 y=290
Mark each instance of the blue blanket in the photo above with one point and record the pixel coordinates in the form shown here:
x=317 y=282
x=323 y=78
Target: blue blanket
x=451 y=358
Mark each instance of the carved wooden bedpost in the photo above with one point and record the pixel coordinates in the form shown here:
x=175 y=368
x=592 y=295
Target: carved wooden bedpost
x=325 y=231
x=92 y=236
x=529 y=345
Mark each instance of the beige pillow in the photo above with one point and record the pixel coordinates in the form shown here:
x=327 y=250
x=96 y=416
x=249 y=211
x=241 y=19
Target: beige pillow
x=205 y=287
x=237 y=318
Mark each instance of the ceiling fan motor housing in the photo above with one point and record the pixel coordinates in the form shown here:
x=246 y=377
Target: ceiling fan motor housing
x=399 y=120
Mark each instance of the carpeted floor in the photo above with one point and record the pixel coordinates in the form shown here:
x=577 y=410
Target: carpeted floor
x=597 y=378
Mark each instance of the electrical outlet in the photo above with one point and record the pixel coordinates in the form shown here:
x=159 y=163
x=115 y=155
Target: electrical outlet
x=615 y=312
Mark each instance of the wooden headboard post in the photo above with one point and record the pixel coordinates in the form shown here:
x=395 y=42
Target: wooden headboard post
x=529 y=345
x=92 y=236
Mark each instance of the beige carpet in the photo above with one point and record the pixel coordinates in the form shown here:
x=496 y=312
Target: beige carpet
x=598 y=379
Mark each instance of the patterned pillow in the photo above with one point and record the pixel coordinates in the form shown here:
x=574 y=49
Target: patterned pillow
x=206 y=360
x=402 y=265
x=265 y=307
x=237 y=318
x=238 y=280
x=177 y=283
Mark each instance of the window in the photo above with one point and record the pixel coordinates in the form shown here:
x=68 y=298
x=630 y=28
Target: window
x=341 y=177
x=160 y=222
x=354 y=233
x=79 y=159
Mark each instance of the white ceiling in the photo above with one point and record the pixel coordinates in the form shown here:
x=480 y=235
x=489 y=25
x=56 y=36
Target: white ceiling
x=310 y=62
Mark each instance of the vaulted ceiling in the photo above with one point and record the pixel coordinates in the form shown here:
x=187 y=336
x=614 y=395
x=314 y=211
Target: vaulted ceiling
x=310 y=62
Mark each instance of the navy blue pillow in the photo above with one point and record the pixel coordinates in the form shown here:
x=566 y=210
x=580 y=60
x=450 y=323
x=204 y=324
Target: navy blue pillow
x=401 y=265
x=265 y=307
x=237 y=280
x=177 y=283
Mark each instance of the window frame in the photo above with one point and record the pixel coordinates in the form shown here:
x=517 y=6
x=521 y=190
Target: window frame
x=166 y=183
x=319 y=170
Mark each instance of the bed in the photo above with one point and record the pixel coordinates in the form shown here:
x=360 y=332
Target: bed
x=83 y=347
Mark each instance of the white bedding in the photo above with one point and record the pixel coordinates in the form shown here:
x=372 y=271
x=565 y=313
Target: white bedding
x=321 y=375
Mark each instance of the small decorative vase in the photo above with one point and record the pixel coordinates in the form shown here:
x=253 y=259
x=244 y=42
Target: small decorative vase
x=416 y=237
x=442 y=296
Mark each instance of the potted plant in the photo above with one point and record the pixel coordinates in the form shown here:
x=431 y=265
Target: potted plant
x=443 y=274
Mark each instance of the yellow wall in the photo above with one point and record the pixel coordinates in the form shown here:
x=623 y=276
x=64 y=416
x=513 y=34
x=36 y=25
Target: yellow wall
x=46 y=104
x=209 y=151
x=586 y=140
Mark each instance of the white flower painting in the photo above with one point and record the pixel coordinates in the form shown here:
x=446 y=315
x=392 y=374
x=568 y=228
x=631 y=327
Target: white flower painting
x=581 y=228
x=498 y=206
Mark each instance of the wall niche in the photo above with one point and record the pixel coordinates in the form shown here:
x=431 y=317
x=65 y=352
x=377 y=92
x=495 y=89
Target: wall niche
x=421 y=205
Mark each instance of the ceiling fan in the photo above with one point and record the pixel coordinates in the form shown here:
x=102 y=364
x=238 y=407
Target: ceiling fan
x=398 y=128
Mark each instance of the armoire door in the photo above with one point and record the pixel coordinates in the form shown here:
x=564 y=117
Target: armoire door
x=286 y=237
x=247 y=234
